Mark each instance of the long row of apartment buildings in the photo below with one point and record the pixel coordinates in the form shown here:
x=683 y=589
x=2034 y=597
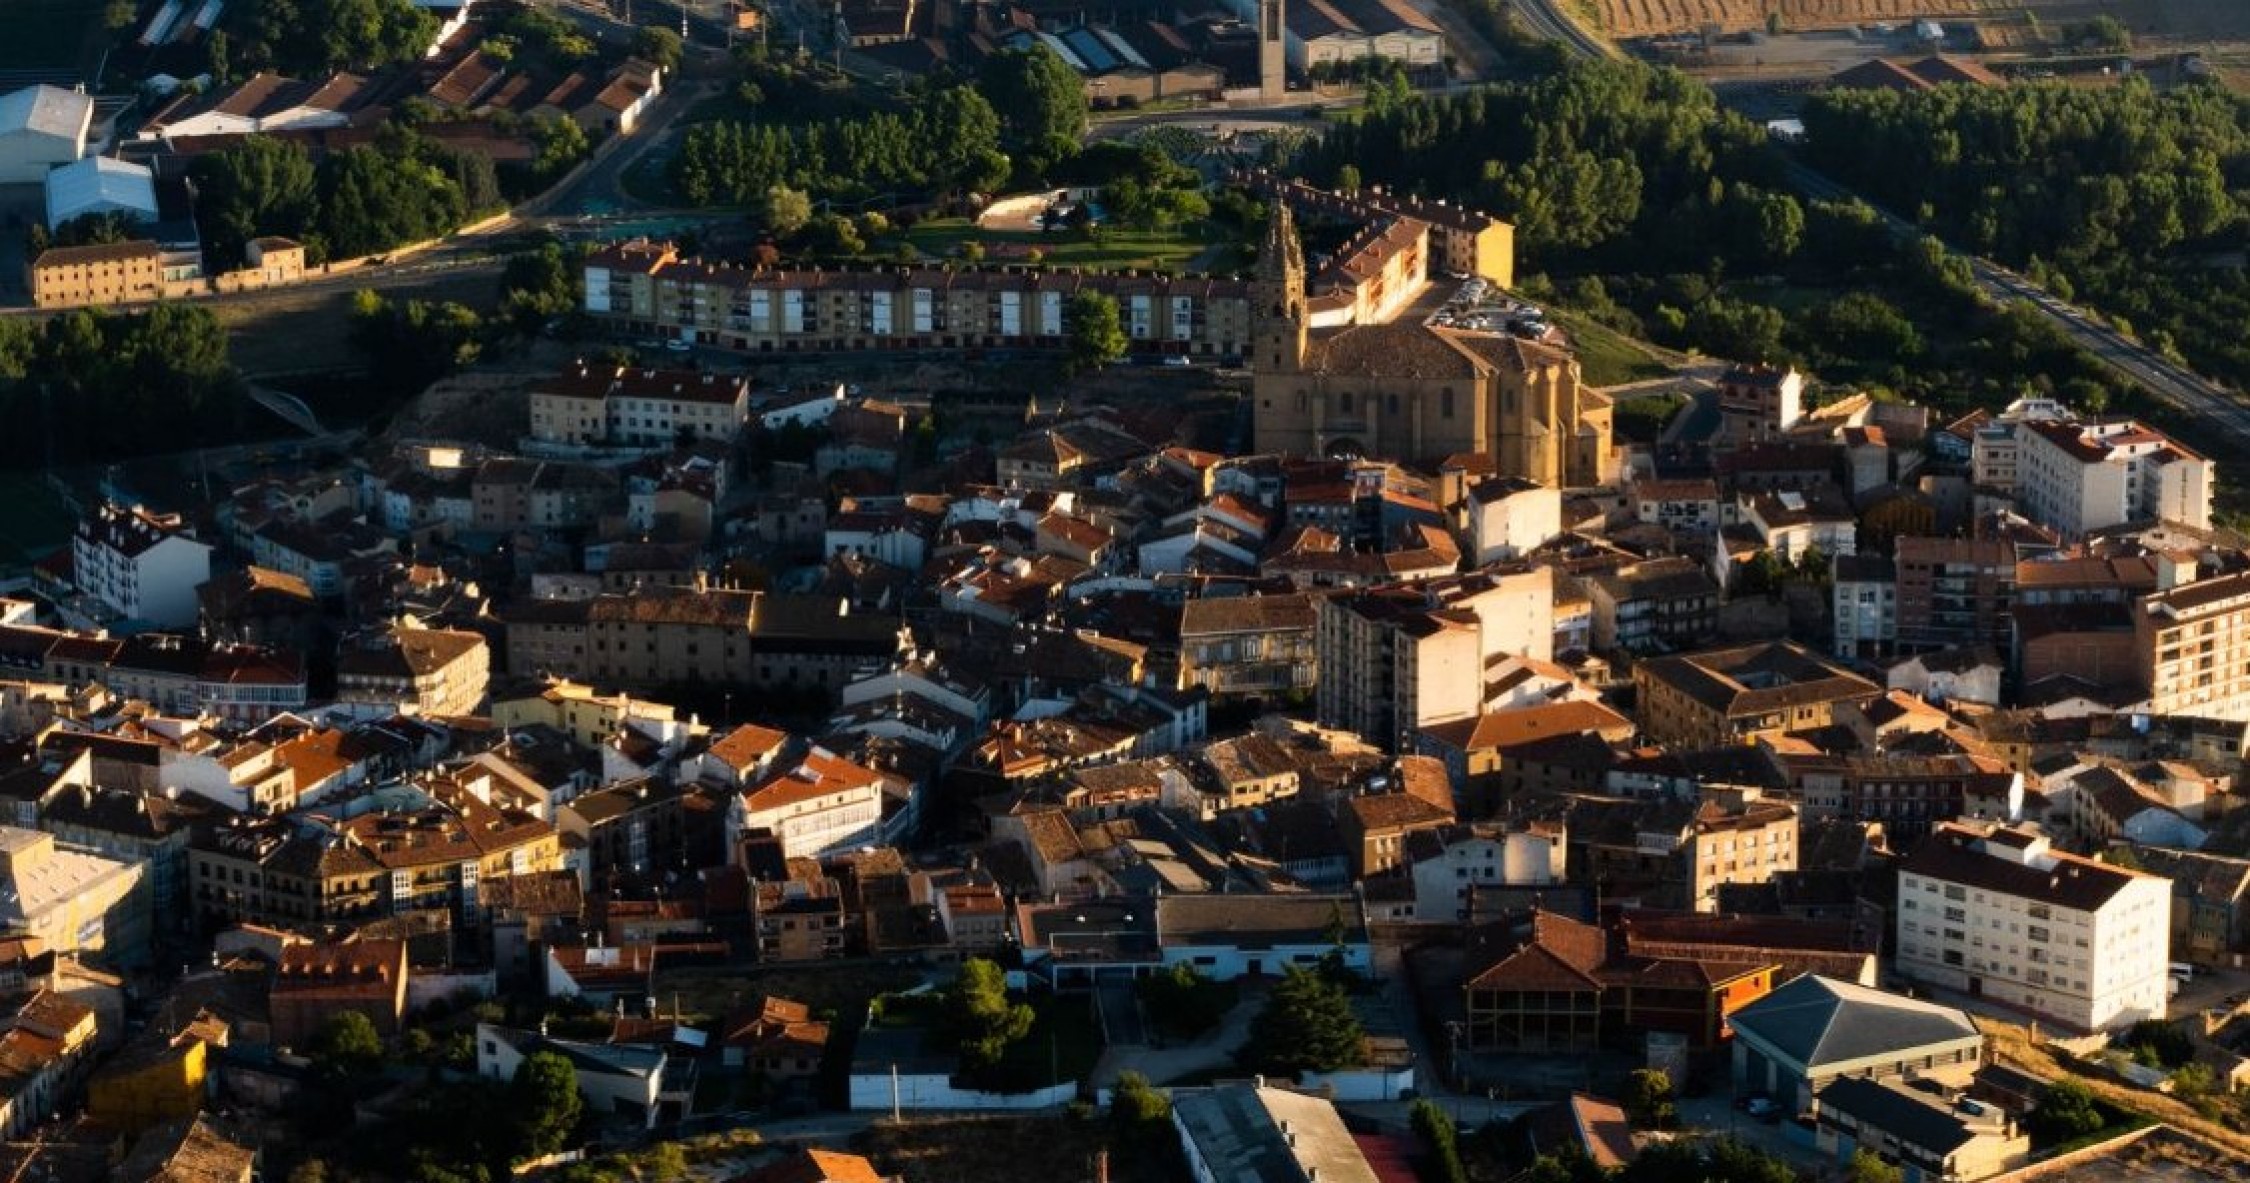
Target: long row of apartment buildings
x=648 y=287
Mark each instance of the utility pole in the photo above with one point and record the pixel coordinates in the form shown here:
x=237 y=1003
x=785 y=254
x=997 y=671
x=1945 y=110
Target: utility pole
x=894 y=1092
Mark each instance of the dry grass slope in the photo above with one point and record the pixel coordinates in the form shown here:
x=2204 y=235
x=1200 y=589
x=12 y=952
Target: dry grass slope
x=2190 y=19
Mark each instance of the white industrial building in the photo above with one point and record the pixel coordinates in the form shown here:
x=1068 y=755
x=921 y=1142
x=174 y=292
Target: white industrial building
x=41 y=127
x=1995 y=912
x=100 y=185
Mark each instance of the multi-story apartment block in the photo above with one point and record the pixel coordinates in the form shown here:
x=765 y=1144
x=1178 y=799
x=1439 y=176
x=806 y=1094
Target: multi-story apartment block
x=1863 y=602
x=2191 y=642
x=1725 y=697
x=589 y=403
x=174 y=673
x=648 y=287
x=1996 y=912
x=1954 y=591
x=1737 y=837
x=1462 y=241
x=2079 y=477
x=659 y=635
x=280 y=872
x=820 y=803
x=144 y=566
x=1395 y=660
x=428 y=671
x=1249 y=645
x=1759 y=402
x=1659 y=606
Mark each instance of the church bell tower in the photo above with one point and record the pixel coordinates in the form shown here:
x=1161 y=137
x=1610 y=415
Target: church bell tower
x=1277 y=292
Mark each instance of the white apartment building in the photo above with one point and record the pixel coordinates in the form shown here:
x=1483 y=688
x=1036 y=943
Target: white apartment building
x=821 y=803
x=1509 y=516
x=2080 y=477
x=1995 y=912
x=1450 y=865
x=142 y=565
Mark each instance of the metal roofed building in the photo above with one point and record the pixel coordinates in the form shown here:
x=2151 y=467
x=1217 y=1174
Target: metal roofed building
x=100 y=185
x=41 y=127
x=1256 y=1134
x=1814 y=1030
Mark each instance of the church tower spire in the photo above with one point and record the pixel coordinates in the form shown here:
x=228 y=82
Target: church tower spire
x=1278 y=295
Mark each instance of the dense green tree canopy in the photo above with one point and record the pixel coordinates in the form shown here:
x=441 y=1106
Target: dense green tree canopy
x=1307 y=1026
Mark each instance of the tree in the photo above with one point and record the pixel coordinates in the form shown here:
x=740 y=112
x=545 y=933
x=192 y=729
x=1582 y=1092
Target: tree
x=347 y=1044
x=257 y=186
x=1869 y=1167
x=537 y=286
x=658 y=45
x=543 y=1104
x=562 y=144
x=1763 y=575
x=2164 y=1042
x=1184 y=1002
x=1094 y=333
x=1041 y=100
x=664 y=1162
x=981 y=1018
x=785 y=210
x=1137 y=1107
x=1347 y=178
x=1648 y=1097
x=1441 y=1140
x=2065 y=1111
x=1307 y=1026
x=1813 y=564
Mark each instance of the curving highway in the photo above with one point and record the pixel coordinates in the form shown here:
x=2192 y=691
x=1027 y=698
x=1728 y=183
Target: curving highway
x=1543 y=19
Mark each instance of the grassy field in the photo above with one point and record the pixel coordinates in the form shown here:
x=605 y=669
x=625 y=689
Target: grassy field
x=45 y=34
x=33 y=519
x=1111 y=250
x=1607 y=357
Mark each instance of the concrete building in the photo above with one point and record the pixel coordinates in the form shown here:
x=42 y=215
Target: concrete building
x=647 y=287
x=1759 y=402
x=588 y=404
x=1658 y=606
x=821 y=803
x=1238 y=1132
x=441 y=672
x=1724 y=697
x=1863 y=601
x=77 y=903
x=1396 y=660
x=1954 y=591
x=106 y=275
x=1815 y=1030
x=1509 y=516
x=617 y=1079
x=1905 y=1127
x=2075 y=478
x=144 y=566
x=1997 y=913
x=2191 y=644
x=1249 y=645
x=42 y=127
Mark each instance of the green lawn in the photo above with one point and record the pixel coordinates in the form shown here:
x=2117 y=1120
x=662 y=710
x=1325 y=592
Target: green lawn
x=1607 y=357
x=1105 y=250
x=34 y=519
x=45 y=34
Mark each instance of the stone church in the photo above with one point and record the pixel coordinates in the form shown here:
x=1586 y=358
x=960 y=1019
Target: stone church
x=1401 y=388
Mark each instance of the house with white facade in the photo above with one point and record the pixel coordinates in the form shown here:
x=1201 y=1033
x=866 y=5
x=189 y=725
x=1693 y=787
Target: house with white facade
x=621 y=1079
x=1996 y=912
x=820 y=803
x=2075 y=478
x=1507 y=516
x=1227 y=936
x=144 y=566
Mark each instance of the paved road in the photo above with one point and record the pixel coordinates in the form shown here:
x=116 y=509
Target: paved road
x=1545 y=20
